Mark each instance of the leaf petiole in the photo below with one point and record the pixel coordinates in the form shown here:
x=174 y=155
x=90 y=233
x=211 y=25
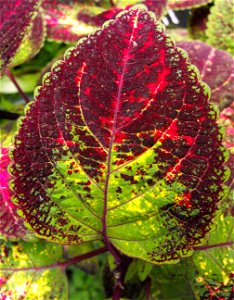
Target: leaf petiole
x=21 y=92
x=62 y=265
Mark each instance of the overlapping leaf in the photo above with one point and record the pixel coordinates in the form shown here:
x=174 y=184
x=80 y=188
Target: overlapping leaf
x=16 y=18
x=185 y=4
x=11 y=225
x=217 y=70
x=220 y=26
x=122 y=145
x=197 y=23
x=24 y=273
x=92 y=16
x=208 y=274
x=62 y=21
x=32 y=42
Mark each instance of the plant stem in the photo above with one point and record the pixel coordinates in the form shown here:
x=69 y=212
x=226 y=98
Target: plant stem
x=121 y=271
x=62 y=265
x=148 y=288
x=8 y=115
x=206 y=247
x=12 y=78
x=112 y=3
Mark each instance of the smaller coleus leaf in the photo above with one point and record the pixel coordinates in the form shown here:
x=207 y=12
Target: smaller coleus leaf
x=158 y=7
x=32 y=42
x=220 y=25
x=32 y=271
x=186 y=4
x=227 y=120
x=62 y=21
x=216 y=67
x=88 y=15
x=197 y=23
x=16 y=19
x=11 y=225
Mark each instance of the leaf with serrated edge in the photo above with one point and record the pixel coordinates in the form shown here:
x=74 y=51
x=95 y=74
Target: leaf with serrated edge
x=121 y=144
x=24 y=275
x=32 y=42
x=11 y=225
x=185 y=4
x=220 y=26
x=16 y=18
x=217 y=70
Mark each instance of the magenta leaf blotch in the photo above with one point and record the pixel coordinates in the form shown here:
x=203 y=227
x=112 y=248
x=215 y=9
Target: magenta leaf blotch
x=11 y=225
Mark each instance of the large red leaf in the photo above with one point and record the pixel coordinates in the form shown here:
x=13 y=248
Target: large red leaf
x=16 y=18
x=217 y=70
x=121 y=144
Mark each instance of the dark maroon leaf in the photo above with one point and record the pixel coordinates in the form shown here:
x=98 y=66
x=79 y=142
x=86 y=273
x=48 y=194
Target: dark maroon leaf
x=217 y=70
x=16 y=18
x=185 y=4
x=122 y=145
x=198 y=22
x=11 y=225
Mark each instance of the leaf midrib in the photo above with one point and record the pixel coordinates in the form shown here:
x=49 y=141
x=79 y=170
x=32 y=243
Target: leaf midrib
x=114 y=129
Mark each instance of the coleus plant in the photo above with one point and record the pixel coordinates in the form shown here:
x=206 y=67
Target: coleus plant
x=123 y=152
x=120 y=147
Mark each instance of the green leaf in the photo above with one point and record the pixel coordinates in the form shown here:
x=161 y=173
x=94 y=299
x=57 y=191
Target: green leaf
x=220 y=26
x=212 y=270
x=143 y=269
x=171 y=282
x=25 y=271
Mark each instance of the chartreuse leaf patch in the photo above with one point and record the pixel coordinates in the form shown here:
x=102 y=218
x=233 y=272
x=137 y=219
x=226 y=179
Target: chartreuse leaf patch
x=121 y=145
x=16 y=20
x=29 y=271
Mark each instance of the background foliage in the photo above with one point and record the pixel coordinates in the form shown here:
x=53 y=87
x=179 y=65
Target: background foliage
x=33 y=268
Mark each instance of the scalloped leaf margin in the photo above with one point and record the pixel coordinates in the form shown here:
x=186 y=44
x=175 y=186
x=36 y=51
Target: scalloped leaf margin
x=130 y=153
